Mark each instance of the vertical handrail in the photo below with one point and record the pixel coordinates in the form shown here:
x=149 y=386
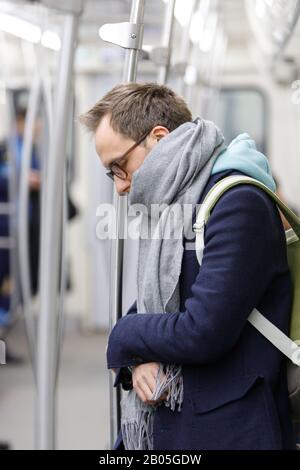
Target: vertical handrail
x=12 y=241
x=63 y=278
x=186 y=47
x=117 y=246
x=23 y=216
x=50 y=243
x=40 y=89
x=166 y=41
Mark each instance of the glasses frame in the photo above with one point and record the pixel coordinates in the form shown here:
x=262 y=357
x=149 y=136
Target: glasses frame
x=111 y=173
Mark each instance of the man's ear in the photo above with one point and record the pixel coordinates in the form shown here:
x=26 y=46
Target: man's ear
x=158 y=132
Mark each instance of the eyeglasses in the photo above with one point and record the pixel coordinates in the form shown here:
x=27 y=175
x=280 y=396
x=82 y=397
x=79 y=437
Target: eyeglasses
x=116 y=170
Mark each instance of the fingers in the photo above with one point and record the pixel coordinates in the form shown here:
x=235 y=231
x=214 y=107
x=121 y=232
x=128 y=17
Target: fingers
x=144 y=382
x=146 y=373
x=147 y=398
x=144 y=393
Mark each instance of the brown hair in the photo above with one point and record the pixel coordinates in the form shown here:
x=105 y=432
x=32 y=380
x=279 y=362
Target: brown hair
x=136 y=108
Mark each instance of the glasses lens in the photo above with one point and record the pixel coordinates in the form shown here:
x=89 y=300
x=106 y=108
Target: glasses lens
x=110 y=175
x=119 y=172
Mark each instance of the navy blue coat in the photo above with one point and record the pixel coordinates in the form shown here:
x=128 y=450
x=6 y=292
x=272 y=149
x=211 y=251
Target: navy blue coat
x=235 y=387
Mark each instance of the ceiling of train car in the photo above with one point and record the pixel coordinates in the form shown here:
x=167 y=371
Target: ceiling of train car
x=95 y=13
x=98 y=12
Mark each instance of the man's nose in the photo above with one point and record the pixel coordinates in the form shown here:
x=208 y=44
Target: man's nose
x=122 y=186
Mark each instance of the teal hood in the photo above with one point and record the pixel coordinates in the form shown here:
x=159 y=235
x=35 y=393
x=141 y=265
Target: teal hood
x=242 y=155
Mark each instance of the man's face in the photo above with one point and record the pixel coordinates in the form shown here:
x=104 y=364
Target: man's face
x=111 y=145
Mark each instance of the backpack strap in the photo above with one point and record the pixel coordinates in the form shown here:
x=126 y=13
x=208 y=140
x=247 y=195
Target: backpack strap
x=217 y=192
x=281 y=341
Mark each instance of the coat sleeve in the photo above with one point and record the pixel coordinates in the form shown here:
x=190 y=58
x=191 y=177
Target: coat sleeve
x=236 y=270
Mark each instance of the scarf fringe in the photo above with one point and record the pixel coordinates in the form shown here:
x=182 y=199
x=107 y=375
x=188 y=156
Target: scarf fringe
x=137 y=429
x=138 y=434
x=172 y=382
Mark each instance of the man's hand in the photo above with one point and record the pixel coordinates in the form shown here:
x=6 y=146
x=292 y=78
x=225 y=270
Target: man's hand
x=144 y=382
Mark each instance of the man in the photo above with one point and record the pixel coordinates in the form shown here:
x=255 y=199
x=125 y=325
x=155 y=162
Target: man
x=202 y=376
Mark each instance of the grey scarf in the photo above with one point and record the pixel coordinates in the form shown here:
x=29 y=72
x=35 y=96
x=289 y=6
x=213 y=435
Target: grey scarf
x=174 y=172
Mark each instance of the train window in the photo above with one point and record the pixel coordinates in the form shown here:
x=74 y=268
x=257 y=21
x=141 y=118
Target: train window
x=243 y=110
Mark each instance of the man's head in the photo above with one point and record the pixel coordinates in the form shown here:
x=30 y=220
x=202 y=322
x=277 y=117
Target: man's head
x=128 y=122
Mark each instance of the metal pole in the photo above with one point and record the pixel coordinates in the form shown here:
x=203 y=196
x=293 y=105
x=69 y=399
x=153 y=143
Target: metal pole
x=8 y=208
x=186 y=47
x=10 y=243
x=13 y=198
x=23 y=215
x=167 y=40
x=117 y=248
x=50 y=245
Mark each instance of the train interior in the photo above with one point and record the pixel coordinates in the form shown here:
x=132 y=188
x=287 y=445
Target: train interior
x=236 y=62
